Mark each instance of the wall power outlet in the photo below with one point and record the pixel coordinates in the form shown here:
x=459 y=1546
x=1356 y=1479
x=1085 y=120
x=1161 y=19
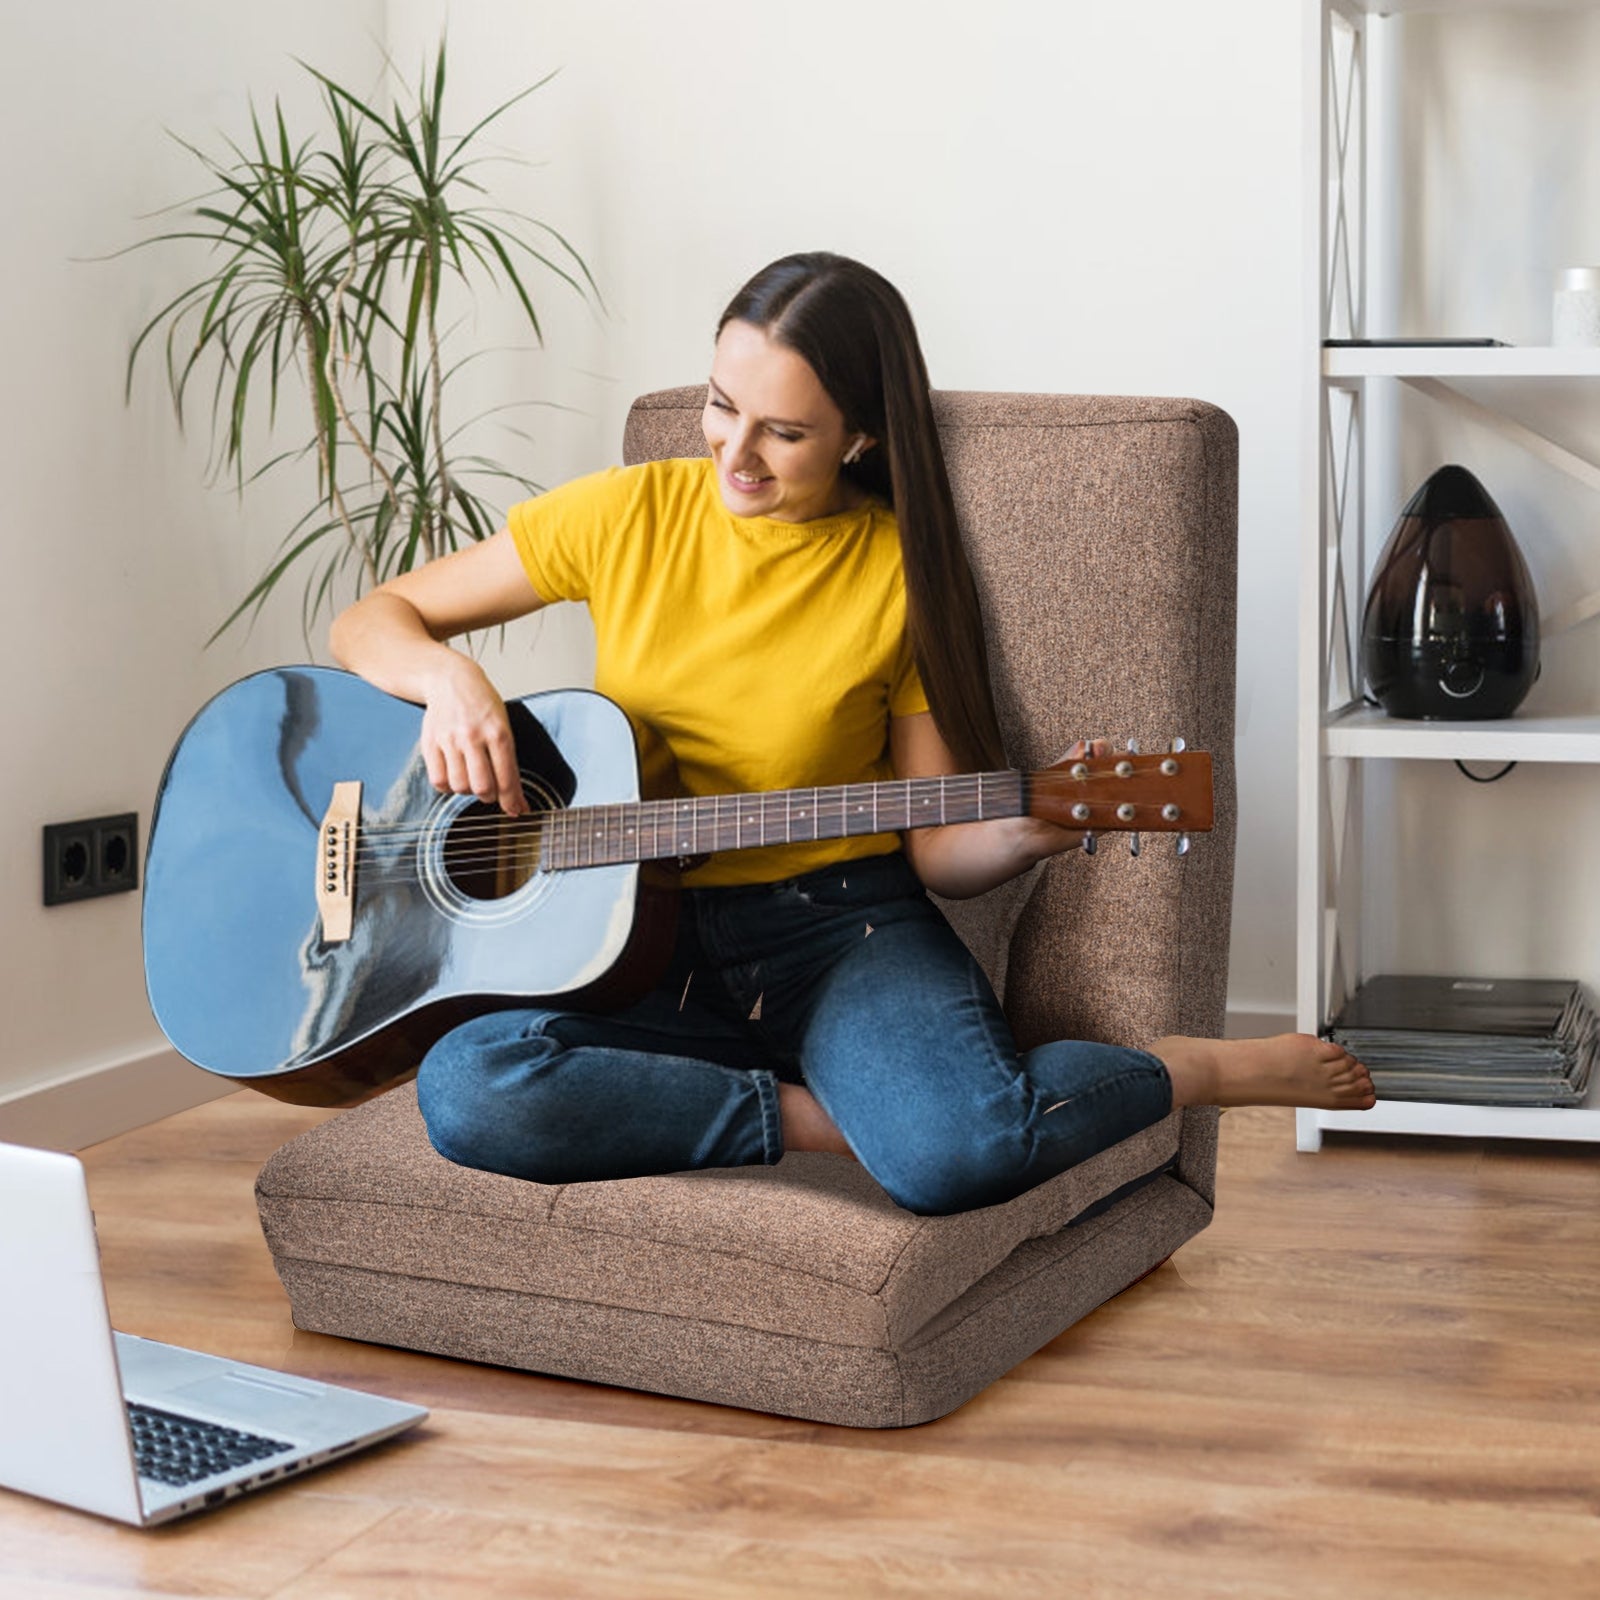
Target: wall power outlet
x=99 y=855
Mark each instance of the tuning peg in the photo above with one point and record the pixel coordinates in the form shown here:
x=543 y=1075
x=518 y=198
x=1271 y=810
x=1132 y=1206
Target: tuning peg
x=1133 y=844
x=1179 y=745
x=1133 y=747
x=1183 y=844
x=1089 y=846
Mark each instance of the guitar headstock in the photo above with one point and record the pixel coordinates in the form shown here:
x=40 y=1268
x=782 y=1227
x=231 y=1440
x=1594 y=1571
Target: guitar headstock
x=1163 y=792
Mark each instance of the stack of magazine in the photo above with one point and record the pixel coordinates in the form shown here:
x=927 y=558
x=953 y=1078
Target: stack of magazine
x=1473 y=1041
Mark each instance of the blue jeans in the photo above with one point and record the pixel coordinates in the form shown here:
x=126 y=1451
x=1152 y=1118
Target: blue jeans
x=847 y=980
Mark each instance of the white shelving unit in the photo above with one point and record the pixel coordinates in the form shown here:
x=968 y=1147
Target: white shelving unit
x=1349 y=407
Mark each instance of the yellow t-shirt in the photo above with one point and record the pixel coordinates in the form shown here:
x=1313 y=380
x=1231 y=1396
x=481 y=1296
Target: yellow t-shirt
x=768 y=655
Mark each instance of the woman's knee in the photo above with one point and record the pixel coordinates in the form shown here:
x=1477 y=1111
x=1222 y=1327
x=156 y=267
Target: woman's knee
x=943 y=1178
x=480 y=1089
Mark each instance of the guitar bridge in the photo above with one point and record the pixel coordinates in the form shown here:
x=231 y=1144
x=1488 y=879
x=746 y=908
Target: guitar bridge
x=336 y=862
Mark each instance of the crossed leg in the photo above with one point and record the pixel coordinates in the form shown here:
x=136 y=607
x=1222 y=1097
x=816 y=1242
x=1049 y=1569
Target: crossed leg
x=1288 y=1069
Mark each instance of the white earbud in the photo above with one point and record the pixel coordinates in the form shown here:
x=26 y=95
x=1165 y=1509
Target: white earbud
x=853 y=454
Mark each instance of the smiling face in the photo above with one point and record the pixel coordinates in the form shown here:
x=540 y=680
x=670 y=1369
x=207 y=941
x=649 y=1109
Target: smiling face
x=775 y=434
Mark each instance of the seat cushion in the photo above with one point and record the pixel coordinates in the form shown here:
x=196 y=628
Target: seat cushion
x=799 y=1288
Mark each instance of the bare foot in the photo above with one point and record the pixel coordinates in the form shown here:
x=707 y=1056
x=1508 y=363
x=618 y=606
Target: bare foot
x=1290 y=1069
x=806 y=1126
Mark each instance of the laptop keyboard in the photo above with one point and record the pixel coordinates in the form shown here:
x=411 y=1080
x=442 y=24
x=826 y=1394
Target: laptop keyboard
x=178 y=1450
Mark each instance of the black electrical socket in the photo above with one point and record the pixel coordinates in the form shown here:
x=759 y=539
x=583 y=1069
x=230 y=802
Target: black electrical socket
x=99 y=855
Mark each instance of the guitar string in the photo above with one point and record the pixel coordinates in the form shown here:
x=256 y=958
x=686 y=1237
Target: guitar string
x=828 y=802
x=825 y=793
x=712 y=811
x=522 y=852
x=716 y=819
x=523 y=864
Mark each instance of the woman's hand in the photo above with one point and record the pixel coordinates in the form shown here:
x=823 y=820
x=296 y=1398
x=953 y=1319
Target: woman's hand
x=395 y=638
x=1042 y=839
x=466 y=737
x=967 y=858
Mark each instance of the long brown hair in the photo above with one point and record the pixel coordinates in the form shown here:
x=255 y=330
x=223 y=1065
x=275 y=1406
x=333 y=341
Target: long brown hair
x=855 y=330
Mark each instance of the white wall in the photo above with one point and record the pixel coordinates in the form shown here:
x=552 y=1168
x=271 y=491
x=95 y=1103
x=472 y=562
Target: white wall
x=1073 y=197
x=118 y=562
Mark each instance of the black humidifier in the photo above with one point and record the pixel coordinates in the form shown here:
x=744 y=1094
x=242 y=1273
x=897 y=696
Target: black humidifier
x=1451 y=628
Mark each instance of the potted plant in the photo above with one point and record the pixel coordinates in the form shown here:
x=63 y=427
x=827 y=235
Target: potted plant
x=328 y=264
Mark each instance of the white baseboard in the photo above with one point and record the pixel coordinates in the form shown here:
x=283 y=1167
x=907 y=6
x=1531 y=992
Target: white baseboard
x=107 y=1100
x=1256 y=1022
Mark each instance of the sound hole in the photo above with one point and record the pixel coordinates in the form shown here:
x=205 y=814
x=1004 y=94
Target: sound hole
x=489 y=855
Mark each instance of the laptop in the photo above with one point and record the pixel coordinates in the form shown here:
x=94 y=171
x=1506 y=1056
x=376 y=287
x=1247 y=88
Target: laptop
x=126 y=1427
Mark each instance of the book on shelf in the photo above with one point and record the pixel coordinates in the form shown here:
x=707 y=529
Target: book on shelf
x=1415 y=344
x=1472 y=1041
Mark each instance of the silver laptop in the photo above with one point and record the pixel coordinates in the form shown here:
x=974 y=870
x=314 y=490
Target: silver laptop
x=125 y=1427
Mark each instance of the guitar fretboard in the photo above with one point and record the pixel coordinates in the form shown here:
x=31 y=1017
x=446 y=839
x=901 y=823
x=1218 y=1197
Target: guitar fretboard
x=656 y=830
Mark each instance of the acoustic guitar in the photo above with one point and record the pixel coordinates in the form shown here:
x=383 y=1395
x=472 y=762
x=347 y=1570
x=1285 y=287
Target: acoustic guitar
x=316 y=914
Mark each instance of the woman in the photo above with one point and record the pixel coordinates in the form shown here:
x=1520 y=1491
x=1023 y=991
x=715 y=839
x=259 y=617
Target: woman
x=795 y=611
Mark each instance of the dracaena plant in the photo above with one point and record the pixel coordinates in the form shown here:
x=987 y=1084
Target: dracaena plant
x=329 y=261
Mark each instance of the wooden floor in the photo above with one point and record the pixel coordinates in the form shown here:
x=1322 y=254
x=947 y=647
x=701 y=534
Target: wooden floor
x=1376 y=1375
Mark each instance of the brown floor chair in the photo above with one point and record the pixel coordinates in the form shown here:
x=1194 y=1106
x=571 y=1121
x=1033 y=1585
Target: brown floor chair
x=1102 y=535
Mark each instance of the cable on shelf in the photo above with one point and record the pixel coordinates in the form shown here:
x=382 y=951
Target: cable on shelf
x=1494 y=777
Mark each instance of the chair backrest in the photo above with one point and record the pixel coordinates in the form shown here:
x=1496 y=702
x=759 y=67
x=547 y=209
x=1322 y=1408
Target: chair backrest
x=1101 y=532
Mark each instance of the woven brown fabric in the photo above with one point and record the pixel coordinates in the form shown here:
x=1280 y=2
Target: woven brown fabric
x=1043 y=1286
x=810 y=1247
x=1101 y=534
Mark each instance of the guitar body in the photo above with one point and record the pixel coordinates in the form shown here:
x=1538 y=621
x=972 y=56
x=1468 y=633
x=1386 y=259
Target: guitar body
x=446 y=922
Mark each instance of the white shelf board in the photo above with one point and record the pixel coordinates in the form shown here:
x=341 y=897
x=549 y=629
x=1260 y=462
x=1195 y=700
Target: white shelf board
x=1461 y=361
x=1365 y=732
x=1578 y=1123
x=1398 y=7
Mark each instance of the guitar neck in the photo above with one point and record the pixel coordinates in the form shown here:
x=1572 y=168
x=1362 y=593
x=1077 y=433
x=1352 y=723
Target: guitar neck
x=659 y=830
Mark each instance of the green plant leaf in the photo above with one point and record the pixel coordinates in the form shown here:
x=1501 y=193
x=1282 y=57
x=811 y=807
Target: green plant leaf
x=328 y=259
